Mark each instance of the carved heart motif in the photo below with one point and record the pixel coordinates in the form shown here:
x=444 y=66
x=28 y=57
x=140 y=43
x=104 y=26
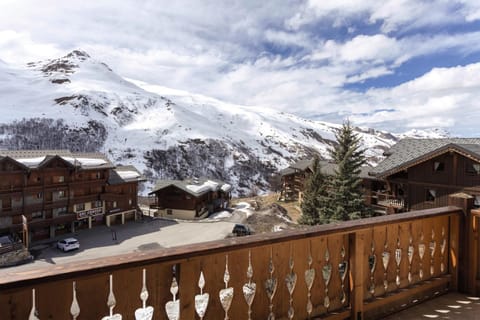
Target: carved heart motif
x=398 y=256
x=421 y=250
x=114 y=317
x=385 y=259
x=271 y=287
x=249 y=292
x=291 y=281
x=172 y=308
x=226 y=297
x=327 y=273
x=201 y=304
x=309 y=277
x=144 y=314
x=411 y=250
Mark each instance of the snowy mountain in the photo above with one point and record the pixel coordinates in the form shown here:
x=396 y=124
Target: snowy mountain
x=78 y=103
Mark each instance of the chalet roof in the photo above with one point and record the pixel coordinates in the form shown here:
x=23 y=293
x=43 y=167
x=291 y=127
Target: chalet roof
x=34 y=159
x=300 y=165
x=124 y=174
x=195 y=187
x=327 y=167
x=409 y=152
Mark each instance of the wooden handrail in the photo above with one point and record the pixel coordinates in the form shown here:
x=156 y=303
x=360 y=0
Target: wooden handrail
x=354 y=243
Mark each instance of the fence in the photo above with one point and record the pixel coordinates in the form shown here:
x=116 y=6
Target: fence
x=356 y=269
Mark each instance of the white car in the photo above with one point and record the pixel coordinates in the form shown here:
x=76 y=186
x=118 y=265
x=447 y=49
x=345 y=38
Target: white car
x=68 y=244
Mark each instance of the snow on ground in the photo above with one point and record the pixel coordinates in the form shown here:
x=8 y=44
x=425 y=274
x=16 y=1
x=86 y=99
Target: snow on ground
x=244 y=207
x=220 y=215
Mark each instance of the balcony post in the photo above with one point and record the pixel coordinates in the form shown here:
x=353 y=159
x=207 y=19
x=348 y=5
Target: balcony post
x=465 y=255
x=357 y=248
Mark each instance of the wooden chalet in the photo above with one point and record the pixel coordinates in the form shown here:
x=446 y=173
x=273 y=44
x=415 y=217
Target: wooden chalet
x=295 y=176
x=293 y=179
x=51 y=192
x=190 y=199
x=422 y=173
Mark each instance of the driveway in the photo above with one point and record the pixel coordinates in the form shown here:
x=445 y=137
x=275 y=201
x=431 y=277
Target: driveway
x=148 y=234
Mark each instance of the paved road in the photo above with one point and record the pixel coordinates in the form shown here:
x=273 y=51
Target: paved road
x=133 y=236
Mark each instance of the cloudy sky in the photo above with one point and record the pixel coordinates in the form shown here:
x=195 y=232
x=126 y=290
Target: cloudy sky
x=391 y=64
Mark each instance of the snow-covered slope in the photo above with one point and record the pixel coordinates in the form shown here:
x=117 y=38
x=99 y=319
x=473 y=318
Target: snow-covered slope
x=78 y=103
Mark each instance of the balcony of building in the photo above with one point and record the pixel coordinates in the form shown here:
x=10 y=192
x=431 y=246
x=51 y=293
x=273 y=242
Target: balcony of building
x=363 y=269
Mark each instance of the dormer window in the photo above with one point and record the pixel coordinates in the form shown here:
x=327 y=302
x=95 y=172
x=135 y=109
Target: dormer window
x=438 y=166
x=473 y=168
x=431 y=195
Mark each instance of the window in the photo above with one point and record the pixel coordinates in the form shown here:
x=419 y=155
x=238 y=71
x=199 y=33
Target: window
x=37 y=215
x=129 y=202
x=431 y=195
x=96 y=204
x=98 y=175
x=438 y=166
x=59 y=211
x=80 y=207
x=61 y=179
x=169 y=211
x=473 y=168
x=61 y=194
x=114 y=204
x=40 y=195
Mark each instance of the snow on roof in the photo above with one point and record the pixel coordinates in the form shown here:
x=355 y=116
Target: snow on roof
x=31 y=162
x=208 y=185
x=226 y=187
x=86 y=161
x=128 y=174
x=91 y=161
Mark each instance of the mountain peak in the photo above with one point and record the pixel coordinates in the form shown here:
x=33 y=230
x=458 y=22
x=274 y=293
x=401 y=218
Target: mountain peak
x=80 y=54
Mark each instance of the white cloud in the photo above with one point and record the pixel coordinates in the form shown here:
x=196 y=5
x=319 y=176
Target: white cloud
x=279 y=54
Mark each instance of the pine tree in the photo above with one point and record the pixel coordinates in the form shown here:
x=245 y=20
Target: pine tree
x=314 y=196
x=345 y=194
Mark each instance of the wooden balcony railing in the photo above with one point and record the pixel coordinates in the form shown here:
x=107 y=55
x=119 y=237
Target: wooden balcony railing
x=357 y=269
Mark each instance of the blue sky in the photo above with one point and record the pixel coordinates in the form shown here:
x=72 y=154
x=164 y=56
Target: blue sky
x=394 y=64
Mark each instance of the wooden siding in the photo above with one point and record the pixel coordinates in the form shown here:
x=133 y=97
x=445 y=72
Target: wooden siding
x=417 y=180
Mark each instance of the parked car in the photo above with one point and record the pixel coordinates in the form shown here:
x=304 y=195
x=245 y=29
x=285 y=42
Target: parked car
x=241 y=230
x=68 y=244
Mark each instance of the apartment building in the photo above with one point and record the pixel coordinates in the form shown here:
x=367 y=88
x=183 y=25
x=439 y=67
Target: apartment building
x=52 y=192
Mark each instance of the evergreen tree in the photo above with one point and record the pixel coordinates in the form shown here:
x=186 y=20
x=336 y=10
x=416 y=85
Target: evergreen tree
x=314 y=196
x=345 y=194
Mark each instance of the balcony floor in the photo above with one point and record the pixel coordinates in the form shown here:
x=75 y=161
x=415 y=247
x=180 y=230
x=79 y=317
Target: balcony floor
x=449 y=306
